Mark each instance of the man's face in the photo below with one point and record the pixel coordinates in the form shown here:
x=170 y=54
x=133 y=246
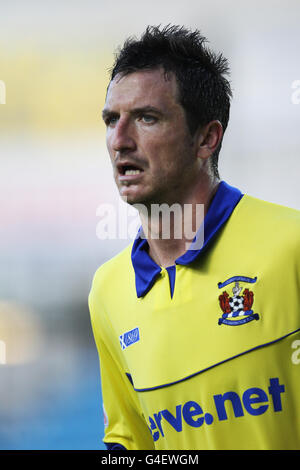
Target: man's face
x=150 y=146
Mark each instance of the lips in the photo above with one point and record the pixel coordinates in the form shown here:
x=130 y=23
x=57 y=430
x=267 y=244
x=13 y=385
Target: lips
x=128 y=170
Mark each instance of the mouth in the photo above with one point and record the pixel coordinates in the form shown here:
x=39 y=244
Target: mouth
x=128 y=171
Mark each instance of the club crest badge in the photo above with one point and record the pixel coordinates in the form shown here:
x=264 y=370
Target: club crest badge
x=237 y=308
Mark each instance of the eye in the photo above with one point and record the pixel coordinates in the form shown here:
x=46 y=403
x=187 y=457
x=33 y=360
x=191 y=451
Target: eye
x=148 y=119
x=111 y=120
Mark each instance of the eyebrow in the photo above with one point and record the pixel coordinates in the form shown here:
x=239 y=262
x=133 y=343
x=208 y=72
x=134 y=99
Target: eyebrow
x=135 y=111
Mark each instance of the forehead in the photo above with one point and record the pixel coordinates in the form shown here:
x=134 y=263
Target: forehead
x=142 y=88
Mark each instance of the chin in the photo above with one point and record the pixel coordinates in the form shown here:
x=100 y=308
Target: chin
x=133 y=199
x=129 y=197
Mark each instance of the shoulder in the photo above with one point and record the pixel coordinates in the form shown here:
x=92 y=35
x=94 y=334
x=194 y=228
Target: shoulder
x=269 y=214
x=269 y=208
x=270 y=226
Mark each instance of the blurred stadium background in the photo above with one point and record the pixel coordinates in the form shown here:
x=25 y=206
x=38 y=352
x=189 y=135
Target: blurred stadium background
x=54 y=61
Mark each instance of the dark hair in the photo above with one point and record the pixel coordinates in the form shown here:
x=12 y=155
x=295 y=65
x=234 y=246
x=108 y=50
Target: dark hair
x=204 y=92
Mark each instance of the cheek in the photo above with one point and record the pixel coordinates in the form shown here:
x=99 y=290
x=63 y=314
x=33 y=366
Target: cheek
x=169 y=153
x=108 y=144
x=111 y=155
x=162 y=143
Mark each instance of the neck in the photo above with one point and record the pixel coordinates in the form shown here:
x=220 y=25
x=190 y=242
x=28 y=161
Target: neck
x=170 y=229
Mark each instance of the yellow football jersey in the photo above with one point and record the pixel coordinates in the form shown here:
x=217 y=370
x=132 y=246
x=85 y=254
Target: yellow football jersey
x=205 y=354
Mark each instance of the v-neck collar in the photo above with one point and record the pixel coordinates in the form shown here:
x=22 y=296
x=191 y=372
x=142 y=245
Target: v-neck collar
x=145 y=268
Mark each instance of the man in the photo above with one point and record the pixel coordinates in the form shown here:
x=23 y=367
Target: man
x=197 y=342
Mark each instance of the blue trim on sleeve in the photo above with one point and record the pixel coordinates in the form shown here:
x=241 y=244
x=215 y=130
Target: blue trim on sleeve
x=129 y=378
x=147 y=271
x=114 y=446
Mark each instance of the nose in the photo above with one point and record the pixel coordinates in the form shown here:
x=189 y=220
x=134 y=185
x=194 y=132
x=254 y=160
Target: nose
x=122 y=138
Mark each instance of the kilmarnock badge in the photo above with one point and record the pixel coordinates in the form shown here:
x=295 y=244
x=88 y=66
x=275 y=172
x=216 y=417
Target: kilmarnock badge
x=237 y=310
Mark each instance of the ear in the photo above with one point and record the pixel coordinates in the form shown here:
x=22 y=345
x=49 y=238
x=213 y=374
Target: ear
x=208 y=139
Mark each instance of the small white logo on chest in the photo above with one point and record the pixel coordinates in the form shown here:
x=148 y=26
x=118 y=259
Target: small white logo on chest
x=129 y=338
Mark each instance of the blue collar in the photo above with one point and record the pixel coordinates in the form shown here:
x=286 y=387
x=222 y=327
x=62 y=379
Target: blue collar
x=146 y=270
